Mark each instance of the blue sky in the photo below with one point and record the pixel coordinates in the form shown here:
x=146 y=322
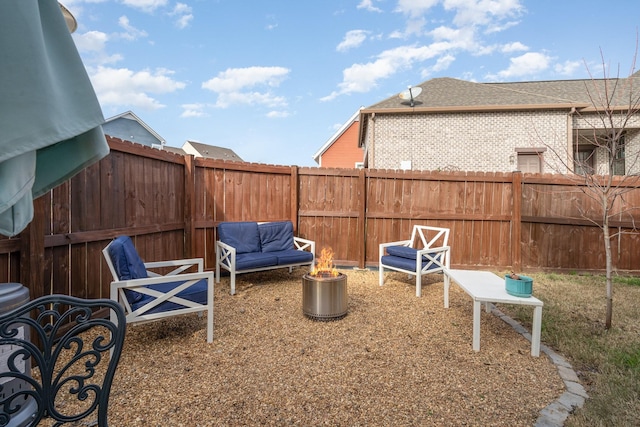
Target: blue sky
x=274 y=79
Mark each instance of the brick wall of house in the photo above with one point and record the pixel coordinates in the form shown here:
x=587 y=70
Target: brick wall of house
x=466 y=141
x=344 y=152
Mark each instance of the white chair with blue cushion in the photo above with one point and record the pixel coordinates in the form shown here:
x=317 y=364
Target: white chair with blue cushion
x=147 y=295
x=426 y=252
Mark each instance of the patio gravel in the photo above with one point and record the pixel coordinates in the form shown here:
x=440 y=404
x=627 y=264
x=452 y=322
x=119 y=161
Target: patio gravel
x=395 y=359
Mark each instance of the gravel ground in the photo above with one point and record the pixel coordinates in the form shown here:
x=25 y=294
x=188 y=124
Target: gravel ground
x=394 y=360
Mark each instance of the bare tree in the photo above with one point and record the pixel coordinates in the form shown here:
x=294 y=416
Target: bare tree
x=609 y=167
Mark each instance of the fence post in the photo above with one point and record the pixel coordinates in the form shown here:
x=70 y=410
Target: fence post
x=294 y=197
x=189 y=205
x=32 y=250
x=362 y=218
x=516 y=221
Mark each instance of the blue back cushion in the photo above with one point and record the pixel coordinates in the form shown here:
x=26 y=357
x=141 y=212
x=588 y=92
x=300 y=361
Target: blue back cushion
x=276 y=236
x=244 y=236
x=127 y=263
x=126 y=260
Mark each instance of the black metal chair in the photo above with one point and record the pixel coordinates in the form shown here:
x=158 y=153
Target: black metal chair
x=68 y=340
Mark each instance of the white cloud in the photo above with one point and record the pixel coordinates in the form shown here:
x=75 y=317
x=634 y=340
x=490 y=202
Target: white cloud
x=145 y=5
x=368 y=5
x=93 y=44
x=528 y=64
x=91 y=41
x=124 y=87
x=193 y=110
x=183 y=14
x=362 y=77
x=233 y=86
x=415 y=8
x=278 y=114
x=513 y=47
x=131 y=33
x=352 y=39
x=567 y=68
x=483 y=12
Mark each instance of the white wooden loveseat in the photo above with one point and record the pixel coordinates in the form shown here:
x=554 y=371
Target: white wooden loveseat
x=248 y=246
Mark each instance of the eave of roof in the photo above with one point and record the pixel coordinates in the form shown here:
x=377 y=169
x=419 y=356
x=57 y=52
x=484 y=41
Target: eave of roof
x=336 y=135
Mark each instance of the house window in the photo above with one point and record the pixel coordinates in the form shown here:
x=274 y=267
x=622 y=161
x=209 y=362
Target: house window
x=583 y=160
x=529 y=162
x=618 y=166
x=610 y=154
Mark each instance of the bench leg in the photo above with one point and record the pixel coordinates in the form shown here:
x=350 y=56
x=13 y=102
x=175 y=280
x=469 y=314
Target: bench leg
x=476 y=325
x=380 y=274
x=447 y=283
x=535 y=333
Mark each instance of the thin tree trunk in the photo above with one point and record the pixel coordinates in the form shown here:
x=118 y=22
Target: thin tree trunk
x=609 y=262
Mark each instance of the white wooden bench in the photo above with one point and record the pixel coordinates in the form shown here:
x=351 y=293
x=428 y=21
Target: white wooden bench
x=486 y=287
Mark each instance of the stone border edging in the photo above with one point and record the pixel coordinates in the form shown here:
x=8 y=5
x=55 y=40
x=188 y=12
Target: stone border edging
x=556 y=413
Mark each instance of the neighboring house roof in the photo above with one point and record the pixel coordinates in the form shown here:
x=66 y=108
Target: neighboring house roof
x=354 y=118
x=174 y=150
x=446 y=94
x=199 y=149
x=129 y=127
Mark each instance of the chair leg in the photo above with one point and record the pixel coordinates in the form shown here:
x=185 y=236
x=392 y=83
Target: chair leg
x=233 y=282
x=418 y=284
x=380 y=274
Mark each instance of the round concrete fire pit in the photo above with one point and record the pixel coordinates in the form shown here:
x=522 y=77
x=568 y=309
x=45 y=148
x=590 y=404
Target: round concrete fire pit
x=324 y=298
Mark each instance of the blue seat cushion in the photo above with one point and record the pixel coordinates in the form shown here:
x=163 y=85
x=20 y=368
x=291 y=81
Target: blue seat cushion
x=127 y=263
x=402 y=252
x=255 y=260
x=292 y=256
x=276 y=236
x=406 y=263
x=196 y=293
x=243 y=235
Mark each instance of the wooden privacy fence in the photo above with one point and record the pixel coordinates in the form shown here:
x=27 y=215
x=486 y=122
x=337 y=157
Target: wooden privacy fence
x=171 y=204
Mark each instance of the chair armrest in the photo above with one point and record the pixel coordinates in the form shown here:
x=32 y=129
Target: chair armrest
x=430 y=250
x=397 y=243
x=446 y=250
x=304 y=244
x=226 y=254
x=182 y=264
x=138 y=283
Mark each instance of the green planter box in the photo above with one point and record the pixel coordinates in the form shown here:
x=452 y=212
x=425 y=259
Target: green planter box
x=522 y=287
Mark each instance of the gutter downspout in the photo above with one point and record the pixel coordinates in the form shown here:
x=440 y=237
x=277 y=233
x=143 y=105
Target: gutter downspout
x=372 y=143
x=570 y=147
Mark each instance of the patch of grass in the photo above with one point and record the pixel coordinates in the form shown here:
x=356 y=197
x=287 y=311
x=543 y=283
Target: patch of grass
x=628 y=280
x=606 y=361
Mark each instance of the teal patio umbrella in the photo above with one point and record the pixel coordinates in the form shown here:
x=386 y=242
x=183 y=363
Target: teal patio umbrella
x=50 y=118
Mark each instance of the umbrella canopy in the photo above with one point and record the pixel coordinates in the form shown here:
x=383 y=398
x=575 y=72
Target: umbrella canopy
x=50 y=118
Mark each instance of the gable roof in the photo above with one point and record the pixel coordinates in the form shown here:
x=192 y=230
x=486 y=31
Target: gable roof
x=446 y=93
x=129 y=115
x=199 y=149
x=335 y=136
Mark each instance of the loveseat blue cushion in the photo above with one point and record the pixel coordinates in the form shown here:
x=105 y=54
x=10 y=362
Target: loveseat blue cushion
x=196 y=293
x=249 y=261
x=402 y=251
x=127 y=263
x=292 y=256
x=276 y=236
x=406 y=263
x=243 y=235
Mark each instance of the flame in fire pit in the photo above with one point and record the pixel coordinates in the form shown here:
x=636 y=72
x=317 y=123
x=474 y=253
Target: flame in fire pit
x=324 y=265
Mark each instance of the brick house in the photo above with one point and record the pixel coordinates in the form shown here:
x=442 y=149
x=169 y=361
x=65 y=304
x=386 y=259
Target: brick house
x=342 y=149
x=544 y=126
